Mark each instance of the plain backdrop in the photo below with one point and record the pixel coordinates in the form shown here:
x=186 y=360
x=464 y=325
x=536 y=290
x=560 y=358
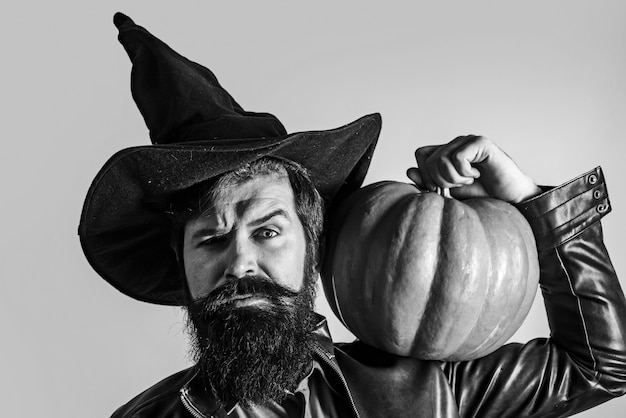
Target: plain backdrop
x=544 y=79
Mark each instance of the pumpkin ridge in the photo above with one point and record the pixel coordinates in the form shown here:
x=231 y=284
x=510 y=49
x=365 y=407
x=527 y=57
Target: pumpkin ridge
x=524 y=238
x=419 y=312
x=516 y=247
x=478 y=256
x=489 y=257
x=404 y=212
x=383 y=284
x=502 y=327
x=439 y=340
x=374 y=207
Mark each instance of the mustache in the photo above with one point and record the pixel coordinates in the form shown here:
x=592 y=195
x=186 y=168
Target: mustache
x=247 y=286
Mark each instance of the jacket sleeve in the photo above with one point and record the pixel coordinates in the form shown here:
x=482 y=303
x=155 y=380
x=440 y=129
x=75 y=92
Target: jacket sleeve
x=583 y=363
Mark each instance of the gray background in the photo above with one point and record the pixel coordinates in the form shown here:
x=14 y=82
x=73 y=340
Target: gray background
x=544 y=79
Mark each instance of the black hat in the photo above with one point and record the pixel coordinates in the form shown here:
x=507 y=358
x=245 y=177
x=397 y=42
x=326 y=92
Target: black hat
x=198 y=132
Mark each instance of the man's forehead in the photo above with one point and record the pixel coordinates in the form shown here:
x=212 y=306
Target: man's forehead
x=262 y=193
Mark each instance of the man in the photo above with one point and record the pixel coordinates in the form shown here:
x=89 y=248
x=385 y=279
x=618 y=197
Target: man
x=223 y=214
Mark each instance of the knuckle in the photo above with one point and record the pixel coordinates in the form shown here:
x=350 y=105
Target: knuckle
x=447 y=170
x=458 y=159
x=481 y=140
x=425 y=151
x=431 y=164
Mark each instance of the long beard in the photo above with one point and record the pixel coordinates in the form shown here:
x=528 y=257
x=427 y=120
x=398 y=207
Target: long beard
x=252 y=353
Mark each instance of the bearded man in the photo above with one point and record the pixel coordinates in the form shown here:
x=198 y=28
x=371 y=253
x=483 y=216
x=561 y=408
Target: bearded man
x=224 y=214
x=248 y=244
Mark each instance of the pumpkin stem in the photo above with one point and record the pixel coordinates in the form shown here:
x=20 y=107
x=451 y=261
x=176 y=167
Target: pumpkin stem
x=443 y=191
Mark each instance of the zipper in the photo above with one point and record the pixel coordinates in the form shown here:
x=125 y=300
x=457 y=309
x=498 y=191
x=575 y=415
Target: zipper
x=327 y=358
x=188 y=405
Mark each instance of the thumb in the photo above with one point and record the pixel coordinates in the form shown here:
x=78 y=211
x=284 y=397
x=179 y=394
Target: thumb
x=414 y=175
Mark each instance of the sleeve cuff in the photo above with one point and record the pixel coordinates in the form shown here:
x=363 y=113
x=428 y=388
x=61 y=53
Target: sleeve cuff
x=560 y=213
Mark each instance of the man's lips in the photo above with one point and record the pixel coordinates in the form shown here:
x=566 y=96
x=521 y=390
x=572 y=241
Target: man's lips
x=248 y=300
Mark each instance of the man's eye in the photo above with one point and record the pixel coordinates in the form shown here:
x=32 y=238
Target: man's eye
x=267 y=233
x=217 y=240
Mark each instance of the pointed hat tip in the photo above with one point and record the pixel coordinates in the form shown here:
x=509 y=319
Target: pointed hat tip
x=120 y=20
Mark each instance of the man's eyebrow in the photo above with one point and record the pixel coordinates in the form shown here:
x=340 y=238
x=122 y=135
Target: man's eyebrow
x=265 y=218
x=204 y=231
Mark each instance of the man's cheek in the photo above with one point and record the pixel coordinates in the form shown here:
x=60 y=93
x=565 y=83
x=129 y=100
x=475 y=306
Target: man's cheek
x=201 y=281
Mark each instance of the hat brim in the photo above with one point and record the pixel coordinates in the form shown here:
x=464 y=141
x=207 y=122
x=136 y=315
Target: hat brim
x=124 y=229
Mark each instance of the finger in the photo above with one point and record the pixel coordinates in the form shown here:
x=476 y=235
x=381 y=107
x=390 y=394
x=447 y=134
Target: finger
x=450 y=183
x=414 y=175
x=436 y=169
x=446 y=176
x=442 y=169
x=474 y=150
x=422 y=155
x=459 y=159
x=464 y=167
x=468 y=192
x=448 y=165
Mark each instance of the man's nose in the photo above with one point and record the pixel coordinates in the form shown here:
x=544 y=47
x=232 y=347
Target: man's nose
x=242 y=260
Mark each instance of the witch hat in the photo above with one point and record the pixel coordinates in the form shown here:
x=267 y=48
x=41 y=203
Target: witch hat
x=198 y=132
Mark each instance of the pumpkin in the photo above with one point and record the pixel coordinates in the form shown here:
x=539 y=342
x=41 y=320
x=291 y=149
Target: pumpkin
x=418 y=274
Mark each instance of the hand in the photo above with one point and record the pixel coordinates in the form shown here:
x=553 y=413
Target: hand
x=471 y=166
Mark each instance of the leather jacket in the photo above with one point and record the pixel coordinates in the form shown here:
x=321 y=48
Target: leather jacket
x=582 y=364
